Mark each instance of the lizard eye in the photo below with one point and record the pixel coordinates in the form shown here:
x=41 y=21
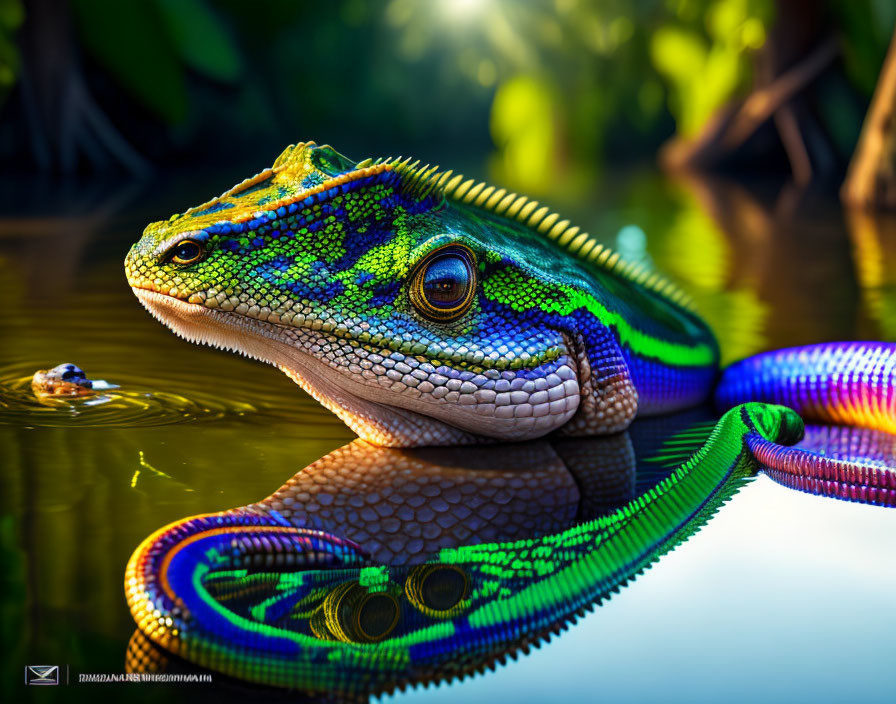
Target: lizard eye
x=186 y=252
x=443 y=285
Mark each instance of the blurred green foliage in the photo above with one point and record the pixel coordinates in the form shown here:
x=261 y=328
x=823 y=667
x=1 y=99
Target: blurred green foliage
x=11 y=16
x=522 y=125
x=557 y=87
x=704 y=56
x=148 y=45
x=866 y=27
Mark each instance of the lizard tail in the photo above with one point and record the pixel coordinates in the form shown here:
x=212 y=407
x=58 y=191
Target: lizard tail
x=848 y=383
x=863 y=480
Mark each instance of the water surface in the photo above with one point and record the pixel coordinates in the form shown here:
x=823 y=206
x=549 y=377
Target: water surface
x=783 y=596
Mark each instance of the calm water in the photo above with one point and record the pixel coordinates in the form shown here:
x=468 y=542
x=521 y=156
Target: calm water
x=783 y=596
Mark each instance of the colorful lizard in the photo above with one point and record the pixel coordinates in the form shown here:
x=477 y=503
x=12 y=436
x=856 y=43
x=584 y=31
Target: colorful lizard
x=424 y=309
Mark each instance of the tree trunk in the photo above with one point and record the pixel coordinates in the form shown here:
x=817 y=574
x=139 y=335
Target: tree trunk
x=775 y=124
x=871 y=179
x=67 y=129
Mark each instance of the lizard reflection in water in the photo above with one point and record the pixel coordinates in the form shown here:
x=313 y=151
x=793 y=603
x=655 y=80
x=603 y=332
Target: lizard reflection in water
x=377 y=566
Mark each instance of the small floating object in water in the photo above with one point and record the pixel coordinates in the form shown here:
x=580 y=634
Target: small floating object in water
x=66 y=380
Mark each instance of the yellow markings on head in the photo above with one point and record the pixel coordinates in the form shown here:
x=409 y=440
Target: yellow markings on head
x=286 y=182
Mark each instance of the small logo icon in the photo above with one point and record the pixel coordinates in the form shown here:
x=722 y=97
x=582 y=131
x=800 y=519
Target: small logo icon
x=42 y=674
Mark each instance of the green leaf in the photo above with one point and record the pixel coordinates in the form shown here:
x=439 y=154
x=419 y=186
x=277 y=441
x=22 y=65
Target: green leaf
x=678 y=53
x=201 y=39
x=11 y=14
x=9 y=62
x=865 y=30
x=130 y=40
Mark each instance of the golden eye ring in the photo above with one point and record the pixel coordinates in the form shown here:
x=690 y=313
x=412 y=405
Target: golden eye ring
x=439 y=591
x=352 y=614
x=187 y=252
x=443 y=285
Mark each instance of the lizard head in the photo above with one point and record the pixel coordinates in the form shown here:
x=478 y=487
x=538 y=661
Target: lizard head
x=417 y=318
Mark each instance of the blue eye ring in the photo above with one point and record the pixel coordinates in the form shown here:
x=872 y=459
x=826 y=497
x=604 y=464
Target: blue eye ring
x=443 y=285
x=187 y=252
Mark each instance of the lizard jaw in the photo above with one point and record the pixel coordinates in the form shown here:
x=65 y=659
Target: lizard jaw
x=365 y=410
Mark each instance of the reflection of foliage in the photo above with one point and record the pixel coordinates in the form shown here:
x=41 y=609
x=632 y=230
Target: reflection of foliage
x=874 y=246
x=697 y=253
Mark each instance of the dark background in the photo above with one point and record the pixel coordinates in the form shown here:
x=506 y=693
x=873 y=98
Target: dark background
x=543 y=96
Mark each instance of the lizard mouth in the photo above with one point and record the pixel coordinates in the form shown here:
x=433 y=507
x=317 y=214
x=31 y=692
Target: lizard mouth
x=369 y=406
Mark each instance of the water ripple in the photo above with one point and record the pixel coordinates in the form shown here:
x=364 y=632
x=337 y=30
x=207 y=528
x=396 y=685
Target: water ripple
x=135 y=404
